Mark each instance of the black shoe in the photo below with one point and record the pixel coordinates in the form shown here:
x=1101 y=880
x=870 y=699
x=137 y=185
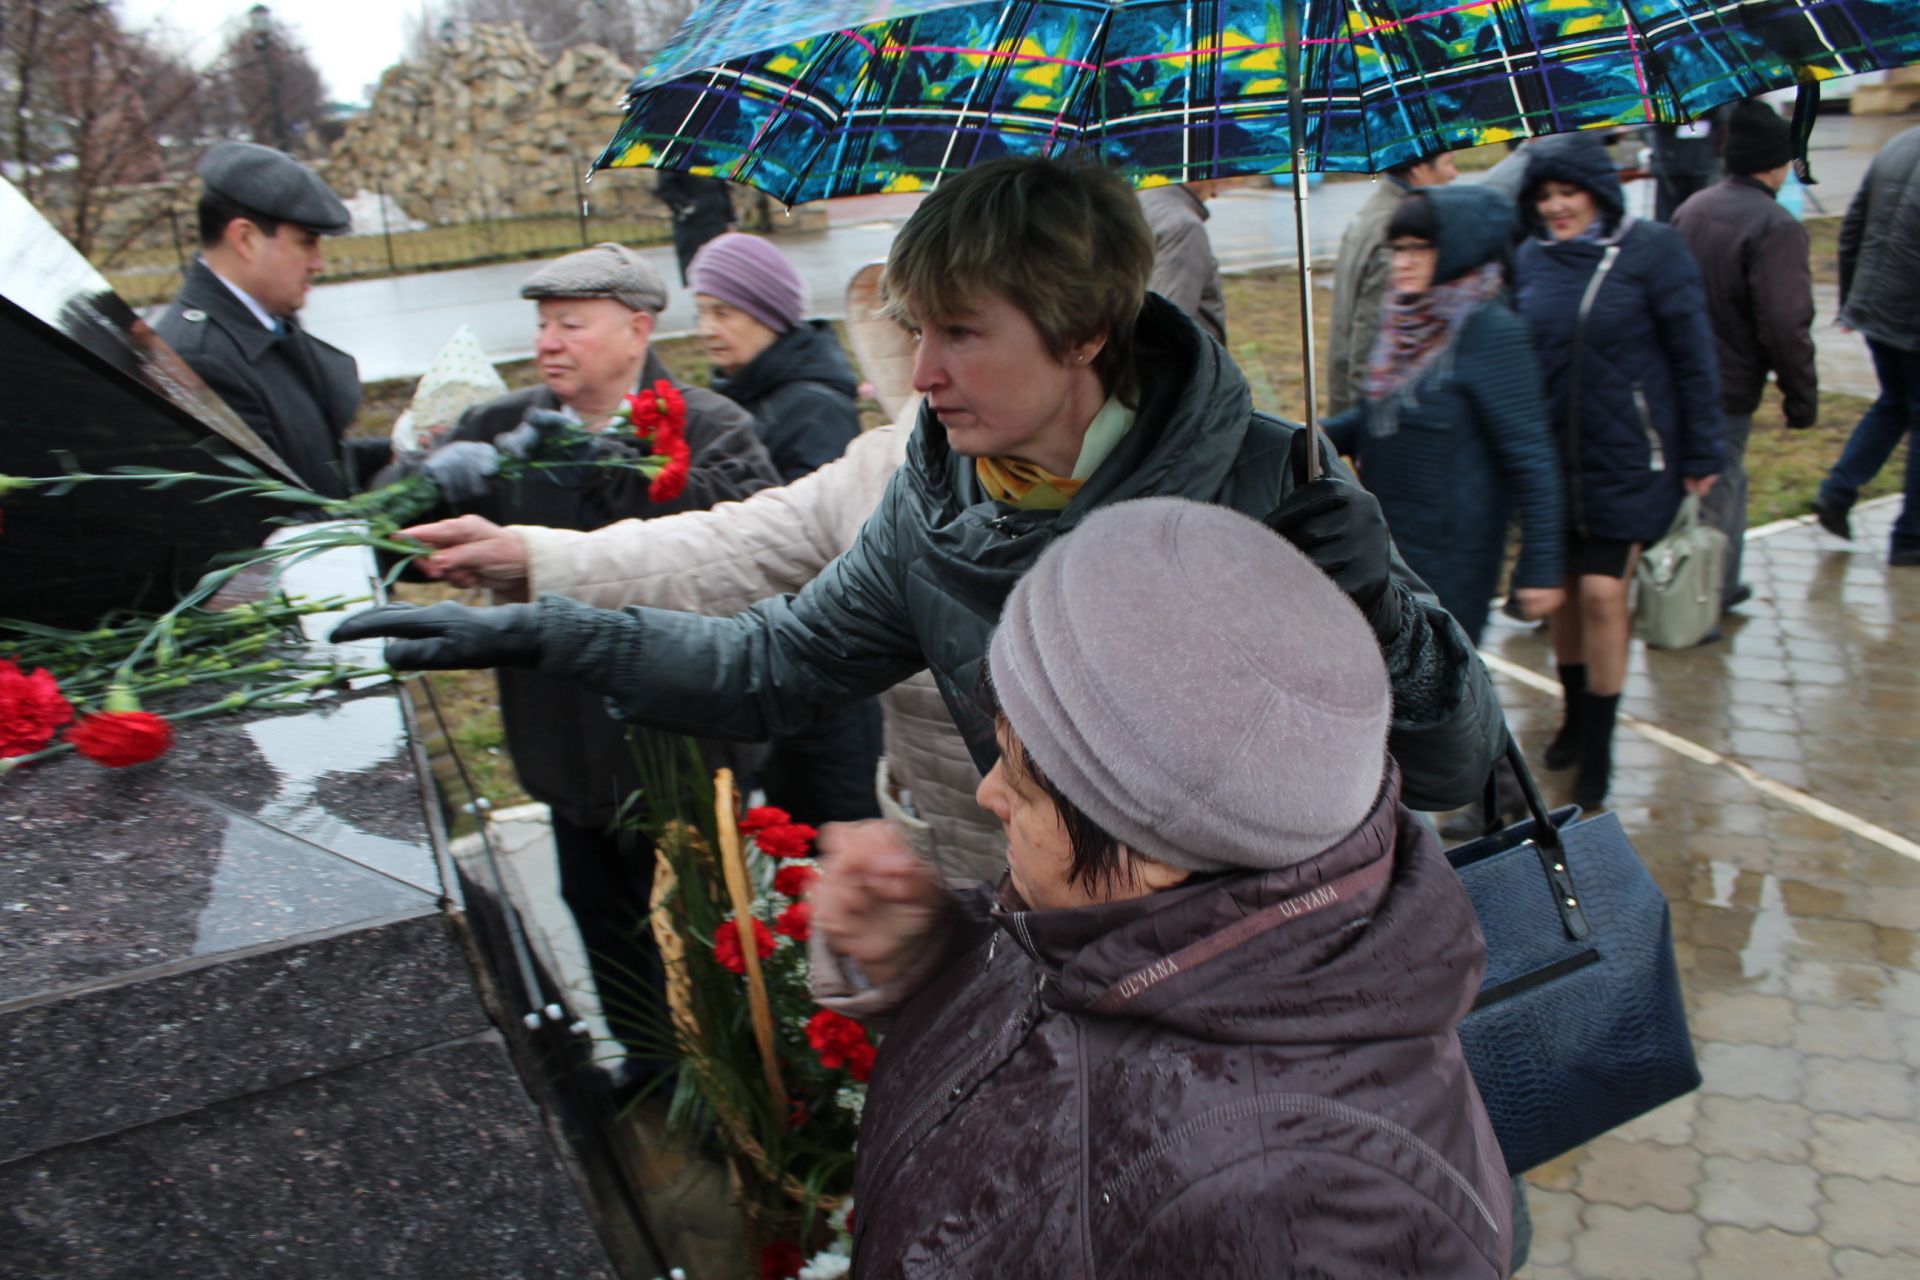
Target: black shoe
x=1564 y=751
x=1741 y=594
x=1596 y=749
x=1833 y=518
x=1904 y=555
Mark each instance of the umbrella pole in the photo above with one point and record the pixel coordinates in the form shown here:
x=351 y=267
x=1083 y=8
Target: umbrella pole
x=1306 y=303
x=1292 y=37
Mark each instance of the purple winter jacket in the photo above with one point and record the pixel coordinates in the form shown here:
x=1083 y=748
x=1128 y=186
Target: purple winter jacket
x=1180 y=1086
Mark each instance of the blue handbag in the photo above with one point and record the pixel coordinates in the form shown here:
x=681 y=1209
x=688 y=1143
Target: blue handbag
x=1579 y=1025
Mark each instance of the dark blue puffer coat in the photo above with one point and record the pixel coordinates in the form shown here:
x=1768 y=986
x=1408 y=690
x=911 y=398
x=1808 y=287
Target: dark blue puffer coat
x=1475 y=443
x=1636 y=399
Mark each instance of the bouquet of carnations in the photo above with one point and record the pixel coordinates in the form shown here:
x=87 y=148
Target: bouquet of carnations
x=779 y=1079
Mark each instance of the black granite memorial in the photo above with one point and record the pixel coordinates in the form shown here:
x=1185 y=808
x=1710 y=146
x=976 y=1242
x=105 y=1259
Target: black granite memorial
x=245 y=1027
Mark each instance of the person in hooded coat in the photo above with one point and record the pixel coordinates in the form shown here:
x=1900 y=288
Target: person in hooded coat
x=1452 y=435
x=1619 y=322
x=1055 y=385
x=1206 y=1025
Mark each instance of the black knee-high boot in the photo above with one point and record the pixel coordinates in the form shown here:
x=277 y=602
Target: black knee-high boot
x=1596 y=749
x=1564 y=751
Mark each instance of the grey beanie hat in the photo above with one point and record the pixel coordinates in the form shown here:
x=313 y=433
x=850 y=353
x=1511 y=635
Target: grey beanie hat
x=1196 y=686
x=607 y=270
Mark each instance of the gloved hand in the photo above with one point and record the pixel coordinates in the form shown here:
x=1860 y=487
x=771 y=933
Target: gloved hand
x=450 y=637
x=540 y=436
x=1340 y=527
x=461 y=469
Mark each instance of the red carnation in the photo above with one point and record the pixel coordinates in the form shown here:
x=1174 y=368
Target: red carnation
x=659 y=406
x=117 y=739
x=781 y=1260
x=841 y=1042
x=726 y=944
x=672 y=480
x=792 y=840
x=31 y=708
x=795 y=921
x=794 y=880
x=763 y=817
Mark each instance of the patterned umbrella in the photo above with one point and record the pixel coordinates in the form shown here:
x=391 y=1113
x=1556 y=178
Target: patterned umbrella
x=807 y=99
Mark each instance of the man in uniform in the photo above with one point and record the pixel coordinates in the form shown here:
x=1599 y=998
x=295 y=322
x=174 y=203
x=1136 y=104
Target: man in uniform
x=261 y=218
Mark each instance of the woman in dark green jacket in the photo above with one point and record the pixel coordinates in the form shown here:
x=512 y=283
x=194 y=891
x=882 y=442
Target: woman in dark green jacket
x=1054 y=385
x=1453 y=434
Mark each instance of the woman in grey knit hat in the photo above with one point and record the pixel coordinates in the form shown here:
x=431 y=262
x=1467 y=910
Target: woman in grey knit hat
x=1207 y=1024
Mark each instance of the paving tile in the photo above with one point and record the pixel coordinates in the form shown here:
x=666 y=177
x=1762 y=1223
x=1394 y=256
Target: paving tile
x=1759 y=1193
x=1753 y=1129
x=1560 y=1174
x=1737 y=1254
x=1751 y=1071
x=1637 y=1244
x=1856 y=1087
x=1670 y=1124
x=1858 y=1264
x=1742 y=1017
x=1879 y=1217
x=1875 y=1148
x=1630 y=1174
x=1851 y=1033
x=1556 y=1220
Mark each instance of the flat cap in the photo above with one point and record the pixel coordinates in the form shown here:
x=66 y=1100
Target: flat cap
x=275 y=184
x=607 y=270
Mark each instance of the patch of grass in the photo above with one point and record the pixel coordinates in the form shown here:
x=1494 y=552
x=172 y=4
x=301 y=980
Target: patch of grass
x=1784 y=467
x=1824 y=233
x=469 y=702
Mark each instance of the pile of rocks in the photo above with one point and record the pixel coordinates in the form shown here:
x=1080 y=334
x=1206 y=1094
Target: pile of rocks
x=488 y=128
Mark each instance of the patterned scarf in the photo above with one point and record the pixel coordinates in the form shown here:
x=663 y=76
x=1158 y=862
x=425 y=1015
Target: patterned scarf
x=1416 y=330
x=1024 y=485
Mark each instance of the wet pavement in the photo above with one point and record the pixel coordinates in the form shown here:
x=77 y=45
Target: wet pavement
x=1771 y=782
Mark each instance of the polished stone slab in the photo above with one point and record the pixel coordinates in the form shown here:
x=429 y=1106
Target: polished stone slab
x=428 y=1164
x=163 y=1042
x=249 y=830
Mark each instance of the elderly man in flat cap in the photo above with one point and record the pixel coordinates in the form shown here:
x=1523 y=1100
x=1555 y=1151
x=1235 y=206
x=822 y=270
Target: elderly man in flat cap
x=262 y=215
x=596 y=316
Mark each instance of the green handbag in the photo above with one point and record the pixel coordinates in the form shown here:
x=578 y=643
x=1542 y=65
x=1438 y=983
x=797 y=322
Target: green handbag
x=1679 y=580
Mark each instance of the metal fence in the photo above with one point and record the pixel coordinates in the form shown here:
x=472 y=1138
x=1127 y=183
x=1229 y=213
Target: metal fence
x=398 y=236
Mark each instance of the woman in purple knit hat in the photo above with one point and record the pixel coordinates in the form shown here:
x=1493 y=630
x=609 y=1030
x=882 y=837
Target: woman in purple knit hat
x=785 y=370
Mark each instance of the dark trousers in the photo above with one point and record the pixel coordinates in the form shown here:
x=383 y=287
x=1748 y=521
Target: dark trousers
x=1892 y=418
x=1725 y=506
x=606 y=880
x=825 y=773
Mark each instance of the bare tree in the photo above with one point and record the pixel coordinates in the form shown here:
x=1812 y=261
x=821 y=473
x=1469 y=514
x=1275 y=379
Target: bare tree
x=89 y=102
x=276 y=91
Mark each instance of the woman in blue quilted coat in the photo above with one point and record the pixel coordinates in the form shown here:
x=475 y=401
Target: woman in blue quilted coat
x=1452 y=436
x=1620 y=327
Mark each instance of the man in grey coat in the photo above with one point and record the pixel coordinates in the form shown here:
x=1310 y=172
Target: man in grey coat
x=1185 y=272
x=261 y=219
x=1754 y=262
x=1361 y=274
x=1880 y=300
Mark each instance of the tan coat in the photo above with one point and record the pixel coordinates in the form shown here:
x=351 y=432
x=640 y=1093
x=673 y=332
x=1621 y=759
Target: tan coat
x=1360 y=279
x=720 y=561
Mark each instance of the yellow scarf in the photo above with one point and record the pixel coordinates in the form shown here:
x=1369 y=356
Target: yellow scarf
x=1024 y=485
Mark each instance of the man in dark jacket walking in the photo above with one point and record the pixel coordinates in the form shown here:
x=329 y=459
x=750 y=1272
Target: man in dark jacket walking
x=596 y=314
x=1880 y=300
x=261 y=219
x=1754 y=264
x=702 y=208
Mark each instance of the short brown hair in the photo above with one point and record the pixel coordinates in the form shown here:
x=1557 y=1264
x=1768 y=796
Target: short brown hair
x=1064 y=242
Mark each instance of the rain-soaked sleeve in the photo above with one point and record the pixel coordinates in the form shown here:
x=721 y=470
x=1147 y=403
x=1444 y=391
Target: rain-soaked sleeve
x=770 y=670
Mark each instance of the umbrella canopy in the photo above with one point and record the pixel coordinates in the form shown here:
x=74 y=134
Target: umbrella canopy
x=807 y=99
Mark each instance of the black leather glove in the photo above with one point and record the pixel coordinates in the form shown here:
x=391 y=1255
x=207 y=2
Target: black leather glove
x=1340 y=527
x=450 y=637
